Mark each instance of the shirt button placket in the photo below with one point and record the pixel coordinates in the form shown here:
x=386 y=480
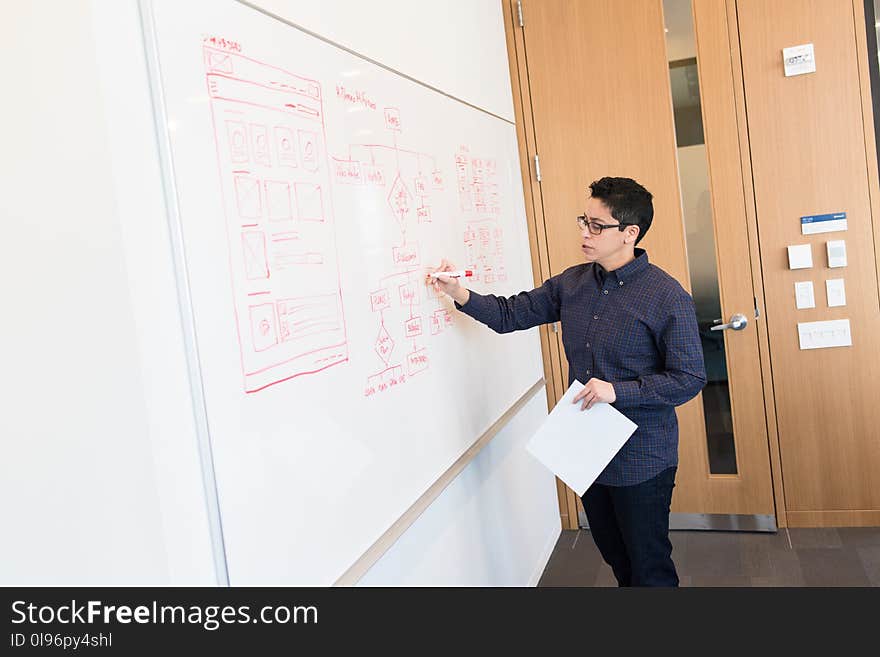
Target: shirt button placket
x=590 y=372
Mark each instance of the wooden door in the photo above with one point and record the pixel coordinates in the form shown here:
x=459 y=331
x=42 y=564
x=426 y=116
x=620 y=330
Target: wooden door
x=595 y=100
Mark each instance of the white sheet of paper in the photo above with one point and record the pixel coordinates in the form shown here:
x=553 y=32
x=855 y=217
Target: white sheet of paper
x=576 y=445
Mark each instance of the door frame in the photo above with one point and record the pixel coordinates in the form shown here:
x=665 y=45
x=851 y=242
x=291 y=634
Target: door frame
x=570 y=510
x=755 y=259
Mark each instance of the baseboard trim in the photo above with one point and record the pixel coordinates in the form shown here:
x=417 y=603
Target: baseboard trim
x=846 y=518
x=726 y=522
x=722 y=522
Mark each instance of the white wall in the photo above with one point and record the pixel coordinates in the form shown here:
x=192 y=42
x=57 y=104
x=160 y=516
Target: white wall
x=100 y=477
x=456 y=46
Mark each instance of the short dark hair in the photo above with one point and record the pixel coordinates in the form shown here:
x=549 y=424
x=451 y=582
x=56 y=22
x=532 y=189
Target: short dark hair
x=629 y=202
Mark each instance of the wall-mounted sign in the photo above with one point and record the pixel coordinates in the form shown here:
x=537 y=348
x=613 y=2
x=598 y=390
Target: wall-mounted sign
x=823 y=223
x=799 y=60
x=821 y=335
x=836 y=253
x=836 y=292
x=803 y=295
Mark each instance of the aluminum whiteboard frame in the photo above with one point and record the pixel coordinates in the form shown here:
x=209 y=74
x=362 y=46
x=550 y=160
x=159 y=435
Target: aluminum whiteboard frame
x=181 y=274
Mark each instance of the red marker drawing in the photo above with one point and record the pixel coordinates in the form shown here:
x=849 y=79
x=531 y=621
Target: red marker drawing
x=453 y=274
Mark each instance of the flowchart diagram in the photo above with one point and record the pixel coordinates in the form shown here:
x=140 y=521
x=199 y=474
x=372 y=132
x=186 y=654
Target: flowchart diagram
x=279 y=182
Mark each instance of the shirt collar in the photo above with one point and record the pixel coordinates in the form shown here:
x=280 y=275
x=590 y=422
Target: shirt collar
x=626 y=273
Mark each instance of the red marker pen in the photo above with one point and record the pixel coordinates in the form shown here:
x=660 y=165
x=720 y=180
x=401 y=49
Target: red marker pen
x=453 y=274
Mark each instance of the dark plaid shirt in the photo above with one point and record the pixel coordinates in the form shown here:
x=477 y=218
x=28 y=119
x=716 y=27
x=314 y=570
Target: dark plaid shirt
x=634 y=327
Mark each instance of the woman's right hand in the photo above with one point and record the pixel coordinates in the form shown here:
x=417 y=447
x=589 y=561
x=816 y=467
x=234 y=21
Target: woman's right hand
x=448 y=285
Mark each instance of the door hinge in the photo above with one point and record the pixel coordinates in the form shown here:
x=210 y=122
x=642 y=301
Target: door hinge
x=554 y=327
x=537 y=168
x=519 y=12
x=757 y=312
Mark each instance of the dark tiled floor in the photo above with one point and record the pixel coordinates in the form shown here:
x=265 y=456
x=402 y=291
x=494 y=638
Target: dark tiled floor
x=846 y=556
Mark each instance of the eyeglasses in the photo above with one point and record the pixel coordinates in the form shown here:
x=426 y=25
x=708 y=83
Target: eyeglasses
x=596 y=228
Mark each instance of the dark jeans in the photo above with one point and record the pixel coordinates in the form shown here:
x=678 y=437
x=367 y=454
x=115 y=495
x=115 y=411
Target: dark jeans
x=630 y=525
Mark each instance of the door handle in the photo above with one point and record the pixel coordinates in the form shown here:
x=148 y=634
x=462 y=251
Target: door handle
x=737 y=322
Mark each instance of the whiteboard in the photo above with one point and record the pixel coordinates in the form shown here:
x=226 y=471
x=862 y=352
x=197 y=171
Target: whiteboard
x=313 y=189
